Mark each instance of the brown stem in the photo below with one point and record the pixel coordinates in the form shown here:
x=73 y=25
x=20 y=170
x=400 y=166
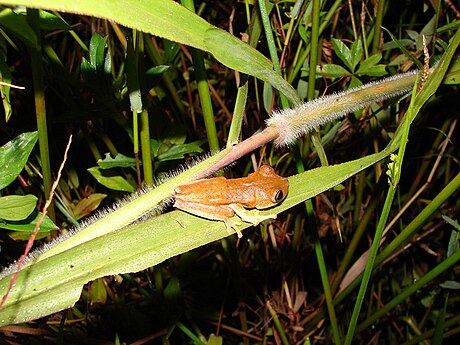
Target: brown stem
x=239 y=150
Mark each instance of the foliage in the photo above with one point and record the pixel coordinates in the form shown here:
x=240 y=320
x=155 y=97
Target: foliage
x=133 y=98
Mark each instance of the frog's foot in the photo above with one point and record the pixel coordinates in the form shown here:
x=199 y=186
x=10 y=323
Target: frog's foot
x=250 y=216
x=232 y=226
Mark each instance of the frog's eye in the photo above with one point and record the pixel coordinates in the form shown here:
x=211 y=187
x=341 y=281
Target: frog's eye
x=279 y=195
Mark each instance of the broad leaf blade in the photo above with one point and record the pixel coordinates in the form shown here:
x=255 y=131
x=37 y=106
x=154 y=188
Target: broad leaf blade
x=17 y=207
x=356 y=53
x=14 y=155
x=332 y=70
x=115 y=182
x=27 y=226
x=343 y=52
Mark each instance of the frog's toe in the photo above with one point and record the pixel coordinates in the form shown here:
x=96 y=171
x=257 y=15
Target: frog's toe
x=232 y=226
x=271 y=216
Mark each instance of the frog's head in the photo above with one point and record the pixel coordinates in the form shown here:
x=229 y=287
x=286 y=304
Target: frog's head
x=273 y=190
x=273 y=196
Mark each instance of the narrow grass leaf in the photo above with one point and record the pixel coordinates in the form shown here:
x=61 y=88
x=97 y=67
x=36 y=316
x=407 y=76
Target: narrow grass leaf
x=55 y=283
x=168 y=19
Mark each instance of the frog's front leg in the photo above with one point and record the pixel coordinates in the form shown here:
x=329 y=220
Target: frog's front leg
x=250 y=216
x=220 y=212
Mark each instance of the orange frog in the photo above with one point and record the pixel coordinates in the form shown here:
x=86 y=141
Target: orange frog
x=219 y=198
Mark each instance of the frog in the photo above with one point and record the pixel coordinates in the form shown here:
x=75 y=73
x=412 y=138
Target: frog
x=219 y=198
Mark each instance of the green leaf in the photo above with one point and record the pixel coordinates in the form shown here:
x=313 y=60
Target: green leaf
x=247 y=60
x=215 y=340
x=450 y=284
x=448 y=27
x=331 y=70
x=5 y=77
x=369 y=62
x=97 y=292
x=97 y=71
x=397 y=43
x=17 y=25
x=453 y=75
x=135 y=100
x=170 y=135
x=72 y=175
x=168 y=19
x=107 y=64
x=440 y=323
x=171 y=49
x=427 y=31
x=454 y=240
x=28 y=224
x=355 y=82
x=120 y=161
x=163 y=18
x=412 y=34
x=96 y=51
x=173 y=291
x=132 y=75
x=110 y=180
x=451 y=222
x=14 y=155
x=157 y=70
x=371 y=68
x=49 y=22
x=403 y=48
x=17 y=207
x=154 y=147
x=179 y=151
x=56 y=283
x=356 y=53
x=373 y=71
x=86 y=69
x=267 y=97
x=343 y=53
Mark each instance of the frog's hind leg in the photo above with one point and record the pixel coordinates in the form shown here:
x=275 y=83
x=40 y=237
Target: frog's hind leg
x=222 y=213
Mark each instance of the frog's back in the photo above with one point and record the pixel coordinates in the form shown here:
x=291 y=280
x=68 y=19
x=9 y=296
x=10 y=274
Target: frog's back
x=216 y=191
